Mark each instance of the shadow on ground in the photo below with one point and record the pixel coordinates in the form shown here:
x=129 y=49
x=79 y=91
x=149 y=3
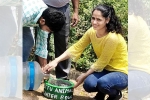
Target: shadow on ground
x=35 y=95
x=31 y=95
x=79 y=94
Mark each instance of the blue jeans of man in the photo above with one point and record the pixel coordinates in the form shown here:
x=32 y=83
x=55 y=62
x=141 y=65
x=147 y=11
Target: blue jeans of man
x=61 y=43
x=139 y=85
x=28 y=43
x=106 y=82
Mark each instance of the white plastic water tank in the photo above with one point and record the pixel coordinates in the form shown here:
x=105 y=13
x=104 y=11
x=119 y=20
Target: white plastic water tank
x=32 y=75
x=10 y=55
x=11 y=76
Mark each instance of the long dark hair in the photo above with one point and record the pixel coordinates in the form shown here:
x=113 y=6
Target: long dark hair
x=108 y=11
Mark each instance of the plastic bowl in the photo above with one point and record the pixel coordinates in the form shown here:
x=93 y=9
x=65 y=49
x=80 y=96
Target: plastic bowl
x=58 y=89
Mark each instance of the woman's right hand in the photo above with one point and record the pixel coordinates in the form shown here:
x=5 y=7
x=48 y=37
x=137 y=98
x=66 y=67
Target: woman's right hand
x=50 y=66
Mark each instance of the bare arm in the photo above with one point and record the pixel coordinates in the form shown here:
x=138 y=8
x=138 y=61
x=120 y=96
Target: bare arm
x=75 y=5
x=82 y=77
x=51 y=65
x=75 y=17
x=42 y=61
x=63 y=57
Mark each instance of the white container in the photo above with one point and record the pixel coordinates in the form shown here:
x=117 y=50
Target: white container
x=32 y=75
x=11 y=76
x=11 y=52
x=10 y=27
x=9 y=2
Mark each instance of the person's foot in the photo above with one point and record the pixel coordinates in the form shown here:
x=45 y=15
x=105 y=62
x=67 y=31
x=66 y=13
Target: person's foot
x=99 y=96
x=117 y=97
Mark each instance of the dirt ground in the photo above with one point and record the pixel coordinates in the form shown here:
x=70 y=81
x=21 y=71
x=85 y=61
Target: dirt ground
x=79 y=94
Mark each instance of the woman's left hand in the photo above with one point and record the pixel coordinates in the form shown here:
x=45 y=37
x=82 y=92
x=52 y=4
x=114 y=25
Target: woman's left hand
x=80 y=79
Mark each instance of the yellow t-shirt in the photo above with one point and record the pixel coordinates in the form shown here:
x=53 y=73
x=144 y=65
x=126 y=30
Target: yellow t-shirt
x=138 y=44
x=111 y=51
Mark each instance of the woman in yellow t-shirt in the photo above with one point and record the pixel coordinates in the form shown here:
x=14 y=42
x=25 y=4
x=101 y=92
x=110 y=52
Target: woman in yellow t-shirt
x=108 y=75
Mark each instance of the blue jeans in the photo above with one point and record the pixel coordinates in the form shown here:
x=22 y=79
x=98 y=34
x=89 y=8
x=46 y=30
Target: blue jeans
x=28 y=43
x=106 y=82
x=139 y=85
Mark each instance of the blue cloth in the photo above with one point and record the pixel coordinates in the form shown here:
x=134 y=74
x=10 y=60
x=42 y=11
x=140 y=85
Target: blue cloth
x=106 y=82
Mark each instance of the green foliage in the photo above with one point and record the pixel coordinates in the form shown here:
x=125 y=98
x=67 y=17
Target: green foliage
x=121 y=9
x=86 y=6
x=86 y=59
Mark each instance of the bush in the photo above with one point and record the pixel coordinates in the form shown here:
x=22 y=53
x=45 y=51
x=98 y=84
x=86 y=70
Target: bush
x=85 y=9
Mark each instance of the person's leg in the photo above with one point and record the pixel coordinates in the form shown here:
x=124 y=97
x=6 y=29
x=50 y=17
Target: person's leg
x=28 y=43
x=112 y=83
x=61 y=43
x=63 y=67
x=139 y=85
x=90 y=84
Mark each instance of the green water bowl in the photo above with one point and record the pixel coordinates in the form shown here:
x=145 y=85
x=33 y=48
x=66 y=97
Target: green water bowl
x=58 y=89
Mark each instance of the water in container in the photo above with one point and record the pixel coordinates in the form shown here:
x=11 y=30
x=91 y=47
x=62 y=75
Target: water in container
x=11 y=76
x=32 y=75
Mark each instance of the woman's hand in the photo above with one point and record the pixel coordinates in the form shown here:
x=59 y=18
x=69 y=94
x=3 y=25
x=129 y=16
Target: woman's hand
x=80 y=79
x=54 y=63
x=51 y=65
